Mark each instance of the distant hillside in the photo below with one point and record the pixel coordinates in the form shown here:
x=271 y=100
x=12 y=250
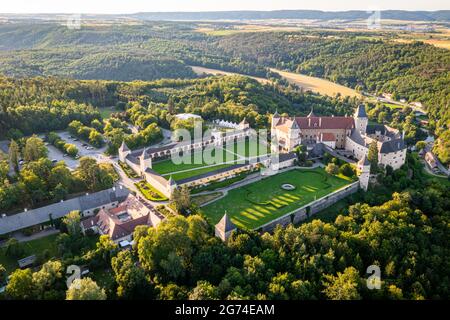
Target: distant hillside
x=442 y=15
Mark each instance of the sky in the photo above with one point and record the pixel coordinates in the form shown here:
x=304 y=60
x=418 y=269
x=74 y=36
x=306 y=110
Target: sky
x=132 y=6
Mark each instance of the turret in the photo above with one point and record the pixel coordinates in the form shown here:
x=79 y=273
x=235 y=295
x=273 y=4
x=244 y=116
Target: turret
x=294 y=134
x=224 y=228
x=364 y=172
x=172 y=185
x=275 y=119
x=361 y=119
x=145 y=161
x=124 y=151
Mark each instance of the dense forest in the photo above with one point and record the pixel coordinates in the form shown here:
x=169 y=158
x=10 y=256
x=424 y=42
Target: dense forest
x=36 y=105
x=155 y=50
x=405 y=236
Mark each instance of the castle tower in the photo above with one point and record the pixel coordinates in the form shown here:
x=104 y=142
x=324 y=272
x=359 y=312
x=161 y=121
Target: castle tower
x=224 y=228
x=275 y=119
x=145 y=161
x=364 y=172
x=243 y=124
x=124 y=151
x=294 y=135
x=361 y=119
x=172 y=185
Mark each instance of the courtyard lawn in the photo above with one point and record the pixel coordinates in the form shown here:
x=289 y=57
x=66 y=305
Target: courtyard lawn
x=253 y=205
x=194 y=164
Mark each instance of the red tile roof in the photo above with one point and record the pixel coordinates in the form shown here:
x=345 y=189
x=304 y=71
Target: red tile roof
x=325 y=122
x=327 y=136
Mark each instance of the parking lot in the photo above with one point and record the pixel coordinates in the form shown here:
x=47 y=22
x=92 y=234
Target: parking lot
x=84 y=149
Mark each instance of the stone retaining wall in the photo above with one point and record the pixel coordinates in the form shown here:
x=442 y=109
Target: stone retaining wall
x=311 y=208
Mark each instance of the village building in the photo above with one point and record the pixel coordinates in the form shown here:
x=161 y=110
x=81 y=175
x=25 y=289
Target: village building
x=119 y=222
x=86 y=205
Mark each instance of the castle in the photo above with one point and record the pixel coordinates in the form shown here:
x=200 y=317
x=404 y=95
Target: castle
x=353 y=134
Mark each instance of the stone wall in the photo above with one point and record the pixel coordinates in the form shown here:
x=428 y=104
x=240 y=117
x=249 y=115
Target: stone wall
x=311 y=208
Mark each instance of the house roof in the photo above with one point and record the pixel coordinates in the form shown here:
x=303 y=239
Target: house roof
x=225 y=224
x=286 y=156
x=328 y=136
x=392 y=146
x=361 y=111
x=121 y=221
x=58 y=210
x=325 y=122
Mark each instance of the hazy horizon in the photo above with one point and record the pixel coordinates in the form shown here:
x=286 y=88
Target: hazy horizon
x=169 y=6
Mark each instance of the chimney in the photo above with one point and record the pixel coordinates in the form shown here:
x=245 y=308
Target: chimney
x=309 y=122
x=320 y=122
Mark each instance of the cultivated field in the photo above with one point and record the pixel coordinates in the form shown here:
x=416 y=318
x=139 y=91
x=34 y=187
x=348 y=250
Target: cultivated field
x=308 y=83
x=317 y=85
x=201 y=70
x=253 y=205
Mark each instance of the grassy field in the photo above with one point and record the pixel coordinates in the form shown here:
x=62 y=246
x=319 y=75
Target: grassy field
x=253 y=205
x=107 y=111
x=195 y=164
x=31 y=247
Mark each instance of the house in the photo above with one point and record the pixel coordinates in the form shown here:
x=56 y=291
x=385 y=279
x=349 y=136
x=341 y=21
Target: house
x=119 y=222
x=431 y=160
x=86 y=204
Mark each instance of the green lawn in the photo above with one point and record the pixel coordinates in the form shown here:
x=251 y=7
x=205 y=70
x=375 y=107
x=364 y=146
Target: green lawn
x=107 y=111
x=253 y=205
x=31 y=247
x=195 y=164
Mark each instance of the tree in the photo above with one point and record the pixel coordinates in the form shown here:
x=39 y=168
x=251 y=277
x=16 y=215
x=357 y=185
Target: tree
x=204 y=291
x=95 y=138
x=34 y=149
x=332 y=168
x=130 y=279
x=48 y=280
x=181 y=199
x=85 y=289
x=92 y=175
x=14 y=248
x=167 y=249
x=420 y=145
x=14 y=154
x=347 y=170
x=3 y=275
x=20 y=285
x=71 y=149
x=72 y=222
x=372 y=156
x=344 y=286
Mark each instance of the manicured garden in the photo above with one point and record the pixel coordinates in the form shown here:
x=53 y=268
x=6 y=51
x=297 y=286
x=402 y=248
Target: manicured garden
x=253 y=205
x=128 y=171
x=149 y=192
